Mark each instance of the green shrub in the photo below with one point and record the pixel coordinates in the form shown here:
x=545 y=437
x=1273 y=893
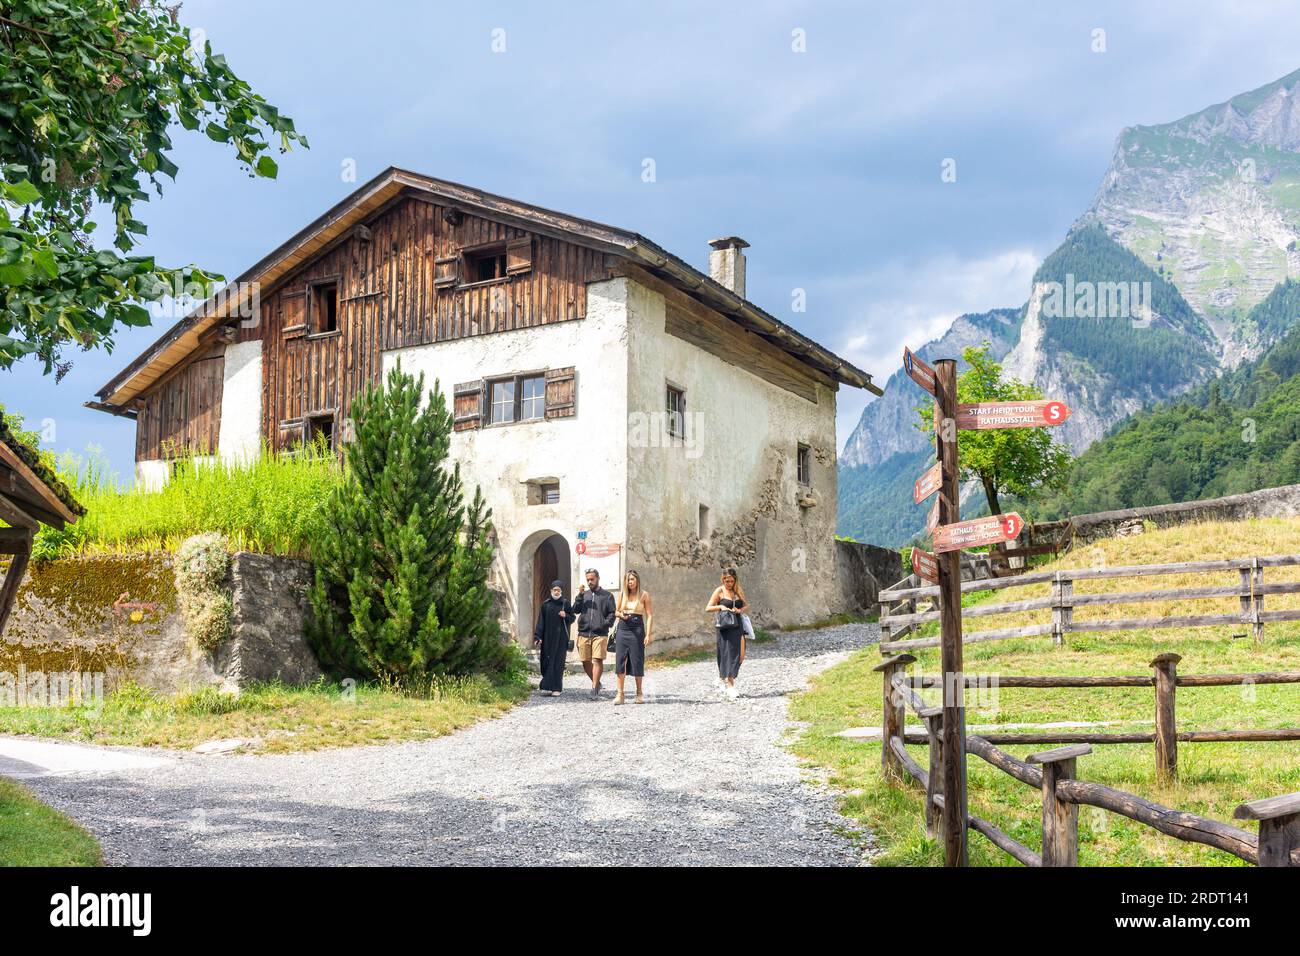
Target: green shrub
x=401 y=590
x=201 y=569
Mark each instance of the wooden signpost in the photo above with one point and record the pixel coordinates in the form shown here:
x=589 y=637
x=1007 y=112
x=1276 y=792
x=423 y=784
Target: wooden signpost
x=943 y=567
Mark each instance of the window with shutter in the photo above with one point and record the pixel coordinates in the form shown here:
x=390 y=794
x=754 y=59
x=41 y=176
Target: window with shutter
x=561 y=392
x=467 y=399
x=519 y=255
x=446 y=273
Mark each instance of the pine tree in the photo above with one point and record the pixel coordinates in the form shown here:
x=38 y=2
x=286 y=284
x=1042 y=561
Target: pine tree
x=401 y=569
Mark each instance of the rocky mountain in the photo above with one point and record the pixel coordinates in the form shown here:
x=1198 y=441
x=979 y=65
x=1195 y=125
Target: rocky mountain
x=1152 y=293
x=1212 y=202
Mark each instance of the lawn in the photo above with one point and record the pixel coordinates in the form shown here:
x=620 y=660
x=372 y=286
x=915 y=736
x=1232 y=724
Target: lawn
x=1214 y=778
x=32 y=834
x=278 y=719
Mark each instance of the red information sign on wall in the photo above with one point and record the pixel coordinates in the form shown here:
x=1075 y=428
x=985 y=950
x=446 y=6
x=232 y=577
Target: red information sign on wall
x=927 y=484
x=977 y=532
x=925 y=565
x=1036 y=414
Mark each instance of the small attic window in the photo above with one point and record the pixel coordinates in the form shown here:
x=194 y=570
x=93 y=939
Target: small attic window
x=325 y=308
x=486 y=263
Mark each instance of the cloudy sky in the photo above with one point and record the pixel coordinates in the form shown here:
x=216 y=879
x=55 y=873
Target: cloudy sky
x=828 y=161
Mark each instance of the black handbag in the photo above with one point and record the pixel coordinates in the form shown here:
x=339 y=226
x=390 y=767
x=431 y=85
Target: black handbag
x=728 y=618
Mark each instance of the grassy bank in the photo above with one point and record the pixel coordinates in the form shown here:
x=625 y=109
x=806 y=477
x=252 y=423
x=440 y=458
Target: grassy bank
x=1214 y=778
x=276 y=718
x=32 y=834
x=270 y=504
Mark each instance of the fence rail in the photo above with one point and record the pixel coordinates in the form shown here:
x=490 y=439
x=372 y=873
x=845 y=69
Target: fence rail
x=1053 y=773
x=899 y=613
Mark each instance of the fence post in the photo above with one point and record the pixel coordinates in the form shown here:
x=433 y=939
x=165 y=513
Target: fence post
x=1060 y=819
x=894 y=713
x=933 y=717
x=1166 y=666
x=1279 y=828
x=1257 y=587
x=1058 y=612
x=885 y=608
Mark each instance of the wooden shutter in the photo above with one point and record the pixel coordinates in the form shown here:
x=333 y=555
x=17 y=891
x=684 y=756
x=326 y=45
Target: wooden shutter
x=446 y=272
x=293 y=306
x=467 y=402
x=561 y=392
x=519 y=255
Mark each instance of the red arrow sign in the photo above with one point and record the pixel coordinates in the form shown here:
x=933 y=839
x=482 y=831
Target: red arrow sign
x=921 y=373
x=1036 y=414
x=927 y=484
x=977 y=532
x=925 y=565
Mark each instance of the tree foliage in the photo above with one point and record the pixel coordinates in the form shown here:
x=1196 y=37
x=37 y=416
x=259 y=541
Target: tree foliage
x=1016 y=461
x=401 y=588
x=89 y=92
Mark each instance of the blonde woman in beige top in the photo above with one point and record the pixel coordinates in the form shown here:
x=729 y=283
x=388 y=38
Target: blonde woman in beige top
x=632 y=632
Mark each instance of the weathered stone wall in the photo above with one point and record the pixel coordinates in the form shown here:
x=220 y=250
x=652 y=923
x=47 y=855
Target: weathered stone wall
x=117 y=615
x=1281 y=502
x=864 y=570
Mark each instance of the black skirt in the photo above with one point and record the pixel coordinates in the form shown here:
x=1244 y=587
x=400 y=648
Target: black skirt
x=729 y=639
x=629 y=646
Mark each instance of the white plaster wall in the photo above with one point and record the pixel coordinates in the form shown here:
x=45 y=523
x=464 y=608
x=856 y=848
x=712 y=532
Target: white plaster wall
x=738 y=458
x=585 y=452
x=240 y=435
x=152 y=474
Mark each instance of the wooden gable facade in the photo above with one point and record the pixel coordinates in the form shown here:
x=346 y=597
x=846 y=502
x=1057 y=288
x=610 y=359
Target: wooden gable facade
x=415 y=272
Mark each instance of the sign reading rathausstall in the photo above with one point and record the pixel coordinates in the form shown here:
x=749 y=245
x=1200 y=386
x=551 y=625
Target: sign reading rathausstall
x=921 y=373
x=927 y=484
x=925 y=565
x=1035 y=414
x=977 y=532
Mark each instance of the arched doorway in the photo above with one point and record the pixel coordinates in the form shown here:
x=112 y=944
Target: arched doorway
x=544 y=557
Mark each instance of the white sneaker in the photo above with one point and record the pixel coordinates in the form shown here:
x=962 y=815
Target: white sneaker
x=732 y=692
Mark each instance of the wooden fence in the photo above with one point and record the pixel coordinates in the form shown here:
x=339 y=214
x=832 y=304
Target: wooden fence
x=899 y=612
x=1277 y=843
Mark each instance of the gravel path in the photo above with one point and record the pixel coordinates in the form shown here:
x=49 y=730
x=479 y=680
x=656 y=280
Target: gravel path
x=688 y=778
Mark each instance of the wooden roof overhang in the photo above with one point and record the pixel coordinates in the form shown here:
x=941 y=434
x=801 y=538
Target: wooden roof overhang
x=197 y=328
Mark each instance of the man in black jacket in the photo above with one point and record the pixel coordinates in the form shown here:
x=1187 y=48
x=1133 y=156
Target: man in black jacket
x=594 y=608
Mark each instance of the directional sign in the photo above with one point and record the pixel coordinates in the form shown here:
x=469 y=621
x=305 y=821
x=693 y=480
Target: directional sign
x=977 y=532
x=928 y=483
x=1037 y=414
x=921 y=373
x=925 y=565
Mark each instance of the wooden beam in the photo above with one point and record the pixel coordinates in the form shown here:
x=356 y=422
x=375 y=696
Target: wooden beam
x=9 y=590
x=16 y=514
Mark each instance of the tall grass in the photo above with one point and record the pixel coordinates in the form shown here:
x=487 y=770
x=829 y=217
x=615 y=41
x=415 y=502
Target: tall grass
x=271 y=504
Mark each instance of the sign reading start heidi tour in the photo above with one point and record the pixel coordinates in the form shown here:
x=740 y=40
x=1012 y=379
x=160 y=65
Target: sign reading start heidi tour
x=1035 y=414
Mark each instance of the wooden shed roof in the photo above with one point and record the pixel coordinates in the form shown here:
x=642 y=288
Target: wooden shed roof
x=30 y=486
x=179 y=341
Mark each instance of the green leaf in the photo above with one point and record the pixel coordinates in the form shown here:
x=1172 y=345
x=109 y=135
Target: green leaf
x=45 y=259
x=266 y=167
x=22 y=193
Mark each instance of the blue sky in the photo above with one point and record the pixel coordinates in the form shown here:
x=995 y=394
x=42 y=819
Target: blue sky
x=827 y=161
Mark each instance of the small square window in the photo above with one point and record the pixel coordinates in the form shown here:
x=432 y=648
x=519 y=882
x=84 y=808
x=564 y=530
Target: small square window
x=676 y=411
x=804 y=465
x=486 y=264
x=320 y=431
x=543 y=492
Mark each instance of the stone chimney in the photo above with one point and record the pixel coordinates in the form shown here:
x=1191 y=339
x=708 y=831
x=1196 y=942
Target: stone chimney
x=727 y=263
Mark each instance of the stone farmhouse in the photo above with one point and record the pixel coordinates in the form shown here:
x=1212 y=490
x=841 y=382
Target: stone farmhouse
x=618 y=407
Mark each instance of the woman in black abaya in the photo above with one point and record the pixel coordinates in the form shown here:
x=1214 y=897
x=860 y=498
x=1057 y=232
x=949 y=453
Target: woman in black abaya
x=552 y=636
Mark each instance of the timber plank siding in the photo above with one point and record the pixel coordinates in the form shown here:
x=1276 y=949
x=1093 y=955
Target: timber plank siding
x=384 y=274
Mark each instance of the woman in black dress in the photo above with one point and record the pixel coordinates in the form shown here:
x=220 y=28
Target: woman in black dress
x=632 y=633
x=726 y=602
x=552 y=636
